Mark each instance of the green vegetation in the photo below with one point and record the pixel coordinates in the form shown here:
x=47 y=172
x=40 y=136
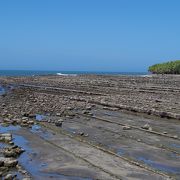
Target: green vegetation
x=172 y=67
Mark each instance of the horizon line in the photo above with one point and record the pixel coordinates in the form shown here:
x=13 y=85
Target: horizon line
x=70 y=70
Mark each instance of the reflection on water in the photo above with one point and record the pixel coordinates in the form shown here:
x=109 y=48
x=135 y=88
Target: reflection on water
x=40 y=117
x=4 y=129
x=175 y=145
x=41 y=132
x=2 y=90
x=159 y=166
x=121 y=152
x=29 y=159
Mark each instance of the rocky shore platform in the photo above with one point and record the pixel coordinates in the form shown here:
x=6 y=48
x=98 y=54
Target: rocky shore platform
x=90 y=127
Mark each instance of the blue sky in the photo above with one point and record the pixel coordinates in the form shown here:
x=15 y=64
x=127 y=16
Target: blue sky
x=88 y=35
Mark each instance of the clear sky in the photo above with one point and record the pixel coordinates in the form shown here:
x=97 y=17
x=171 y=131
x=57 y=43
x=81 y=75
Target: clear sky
x=88 y=35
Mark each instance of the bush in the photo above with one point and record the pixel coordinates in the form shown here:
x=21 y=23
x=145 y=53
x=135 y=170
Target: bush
x=172 y=67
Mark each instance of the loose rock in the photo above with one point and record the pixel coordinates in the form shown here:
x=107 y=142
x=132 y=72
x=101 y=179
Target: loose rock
x=126 y=127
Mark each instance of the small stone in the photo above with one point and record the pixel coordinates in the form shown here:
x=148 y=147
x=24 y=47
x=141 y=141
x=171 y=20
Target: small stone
x=146 y=127
x=24 y=172
x=9 y=177
x=81 y=133
x=14 y=147
x=1 y=162
x=163 y=114
x=26 y=178
x=85 y=112
x=69 y=108
x=164 y=132
x=22 y=150
x=18 y=167
x=10 y=162
x=9 y=153
x=59 y=123
x=31 y=122
x=3 y=170
x=24 y=121
x=58 y=114
x=88 y=108
x=32 y=116
x=126 y=127
x=90 y=113
x=24 y=125
x=18 y=121
x=24 y=118
x=150 y=128
x=6 y=137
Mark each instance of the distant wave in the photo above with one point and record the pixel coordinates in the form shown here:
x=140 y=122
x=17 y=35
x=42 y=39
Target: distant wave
x=147 y=75
x=61 y=74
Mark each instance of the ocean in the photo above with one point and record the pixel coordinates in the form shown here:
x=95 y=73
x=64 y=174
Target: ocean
x=35 y=73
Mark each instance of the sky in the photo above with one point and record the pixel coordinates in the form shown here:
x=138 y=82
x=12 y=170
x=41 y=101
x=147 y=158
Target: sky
x=88 y=35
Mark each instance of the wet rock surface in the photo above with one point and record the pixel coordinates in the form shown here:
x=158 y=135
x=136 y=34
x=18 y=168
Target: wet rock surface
x=156 y=95
x=90 y=127
x=9 y=154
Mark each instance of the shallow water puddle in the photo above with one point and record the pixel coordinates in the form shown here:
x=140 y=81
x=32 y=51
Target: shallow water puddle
x=159 y=166
x=6 y=129
x=40 y=117
x=3 y=145
x=148 y=161
x=174 y=155
x=121 y=152
x=59 y=176
x=37 y=129
x=29 y=159
x=2 y=90
x=175 y=145
x=70 y=130
x=18 y=140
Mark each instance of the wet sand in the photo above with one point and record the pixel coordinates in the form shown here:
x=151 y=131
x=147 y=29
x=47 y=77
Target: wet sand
x=93 y=127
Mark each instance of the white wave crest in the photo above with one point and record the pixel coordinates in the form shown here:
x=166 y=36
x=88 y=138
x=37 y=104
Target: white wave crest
x=61 y=74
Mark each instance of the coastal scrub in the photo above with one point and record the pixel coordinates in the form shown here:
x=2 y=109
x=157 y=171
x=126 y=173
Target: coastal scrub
x=171 y=67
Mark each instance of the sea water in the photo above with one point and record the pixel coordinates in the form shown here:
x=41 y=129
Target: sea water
x=63 y=73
